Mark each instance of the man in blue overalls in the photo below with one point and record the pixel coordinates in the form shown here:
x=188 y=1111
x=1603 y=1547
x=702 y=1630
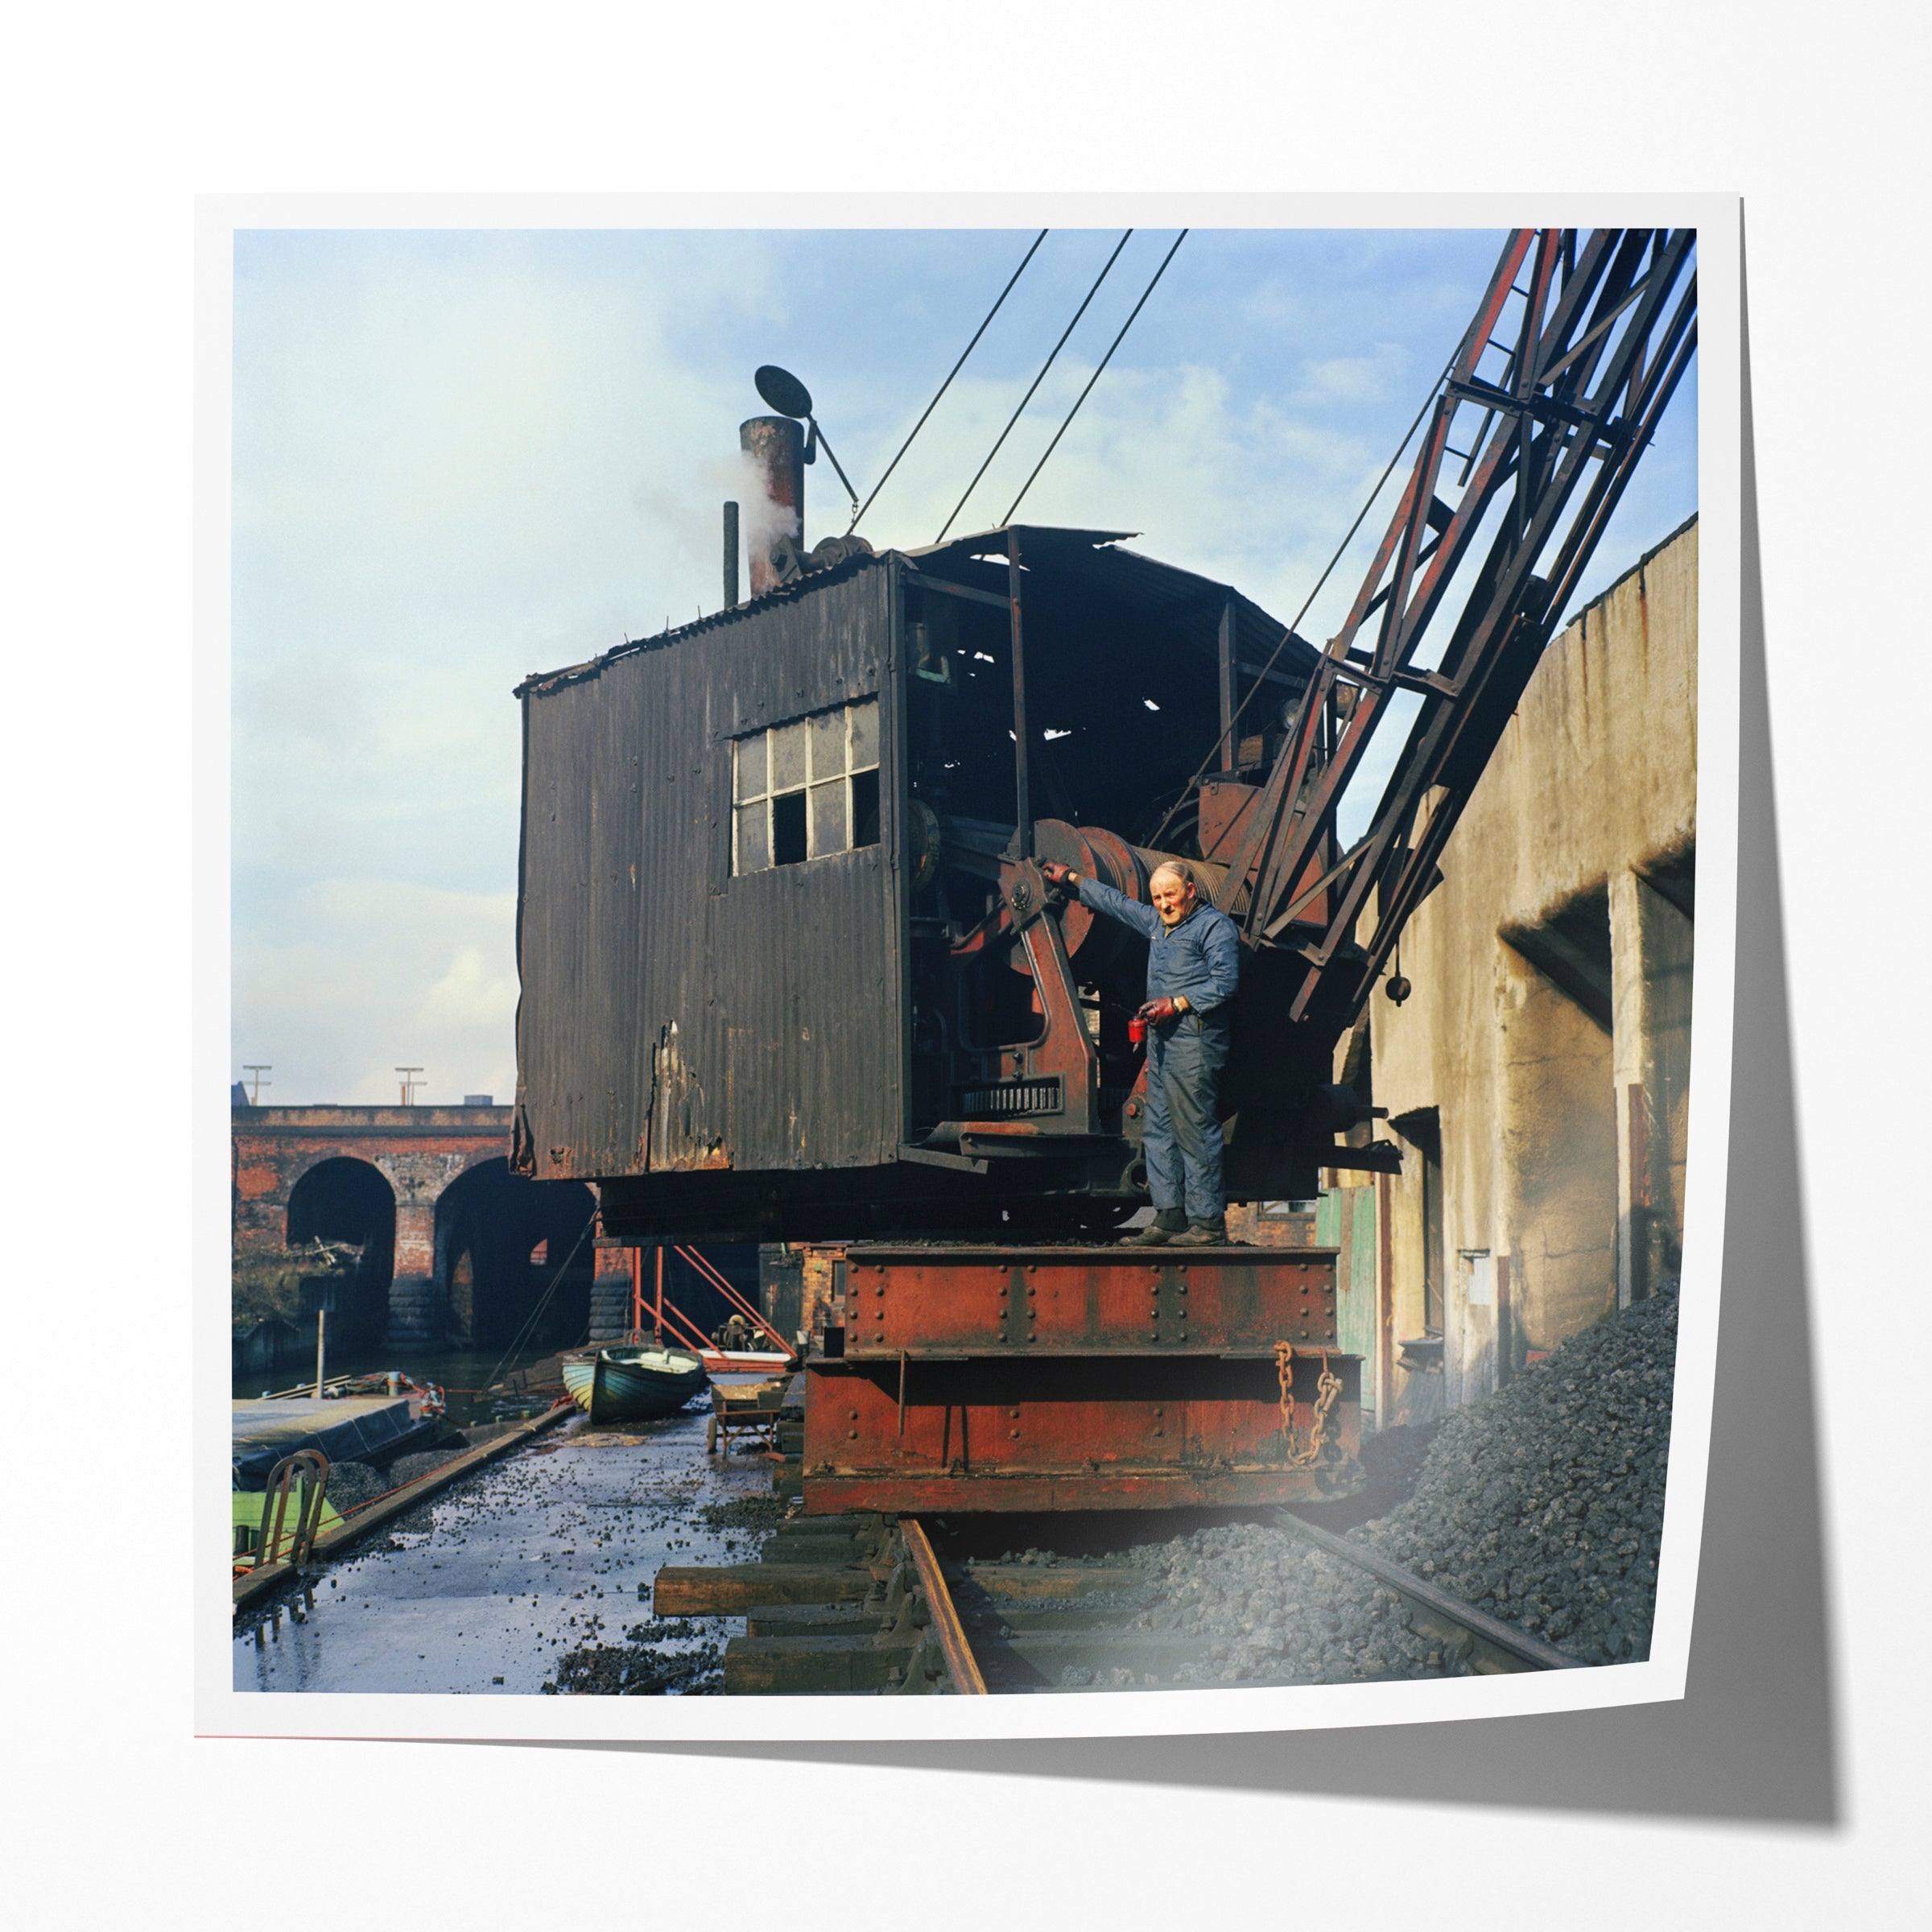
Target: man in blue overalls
x=1193 y=964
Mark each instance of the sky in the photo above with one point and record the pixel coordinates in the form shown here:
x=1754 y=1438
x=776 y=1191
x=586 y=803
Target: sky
x=463 y=455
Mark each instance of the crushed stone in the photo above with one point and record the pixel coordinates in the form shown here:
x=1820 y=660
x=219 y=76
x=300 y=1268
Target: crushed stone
x=1542 y=1505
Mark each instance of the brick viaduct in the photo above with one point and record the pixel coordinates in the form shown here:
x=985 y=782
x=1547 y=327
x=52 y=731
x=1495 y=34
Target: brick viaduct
x=455 y=1246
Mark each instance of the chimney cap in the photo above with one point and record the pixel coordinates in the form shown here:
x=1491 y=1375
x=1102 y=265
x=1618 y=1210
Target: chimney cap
x=782 y=391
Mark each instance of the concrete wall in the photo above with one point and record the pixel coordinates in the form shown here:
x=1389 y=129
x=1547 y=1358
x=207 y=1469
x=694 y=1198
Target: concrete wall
x=1549 y=1025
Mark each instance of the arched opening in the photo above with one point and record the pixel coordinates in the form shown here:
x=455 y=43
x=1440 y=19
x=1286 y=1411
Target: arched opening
x=349 y=1201
x=500 y=1241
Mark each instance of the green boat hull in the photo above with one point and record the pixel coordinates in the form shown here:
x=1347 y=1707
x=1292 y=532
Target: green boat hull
x=634 y=1385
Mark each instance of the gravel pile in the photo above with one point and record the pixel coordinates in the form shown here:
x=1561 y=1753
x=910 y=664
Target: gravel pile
x=407 y=1469
x=1393 y=1459
x=1274 y=1611
x=1542 y=1504
x=351 y=1484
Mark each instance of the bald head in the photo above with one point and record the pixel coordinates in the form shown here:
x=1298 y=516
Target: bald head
x=1173 y=891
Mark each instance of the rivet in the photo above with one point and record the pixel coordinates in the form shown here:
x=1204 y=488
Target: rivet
x=1029 y=1334
x=852 y=1435
x=1182 y=1287
x=1013 y=1432
x=878 y=1267
x=1183 y=1268
x=1160 y=1411
x=1031 y=1266
x=852 y=1415
x=1012 y=1415
x=880 y=1336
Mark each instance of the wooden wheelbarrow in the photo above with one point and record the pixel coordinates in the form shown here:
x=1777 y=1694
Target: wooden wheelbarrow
x=749 y=1409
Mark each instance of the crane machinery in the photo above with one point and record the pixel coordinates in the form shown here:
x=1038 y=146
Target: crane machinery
x=791 y=968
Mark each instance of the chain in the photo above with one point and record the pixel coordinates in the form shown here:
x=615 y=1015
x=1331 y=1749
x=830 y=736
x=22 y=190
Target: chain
x=1328 y=1386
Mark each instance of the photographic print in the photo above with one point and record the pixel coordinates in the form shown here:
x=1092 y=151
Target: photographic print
x=966 y=960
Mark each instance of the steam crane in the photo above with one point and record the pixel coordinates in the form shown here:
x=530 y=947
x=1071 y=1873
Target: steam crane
x=824 y=994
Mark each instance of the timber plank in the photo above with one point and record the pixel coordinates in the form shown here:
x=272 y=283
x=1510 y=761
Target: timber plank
x=731 y=1589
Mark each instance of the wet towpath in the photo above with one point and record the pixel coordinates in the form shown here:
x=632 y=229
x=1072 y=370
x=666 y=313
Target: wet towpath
x=495 y=1583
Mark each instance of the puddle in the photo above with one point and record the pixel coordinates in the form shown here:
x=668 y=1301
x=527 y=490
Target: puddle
x=494 y=1585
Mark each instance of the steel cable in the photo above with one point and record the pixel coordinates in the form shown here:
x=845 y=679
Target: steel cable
x=1036 y=381
x=1095 y=377
x=543 y=1302
x=948 y=384
x=1381 y=484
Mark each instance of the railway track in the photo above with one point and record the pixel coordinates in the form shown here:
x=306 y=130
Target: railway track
x=873 y=1605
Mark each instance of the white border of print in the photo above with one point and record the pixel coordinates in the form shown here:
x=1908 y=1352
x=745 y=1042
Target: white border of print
x=221 y=1710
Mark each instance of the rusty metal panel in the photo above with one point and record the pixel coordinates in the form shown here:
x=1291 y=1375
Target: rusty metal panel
x=675 y=1017
x=1063 y=1377
x=1102 y=1432
x=1060 y=1300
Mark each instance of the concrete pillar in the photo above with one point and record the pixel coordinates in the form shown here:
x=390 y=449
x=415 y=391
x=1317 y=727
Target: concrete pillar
x=1652 y=946
x=1560 y=1164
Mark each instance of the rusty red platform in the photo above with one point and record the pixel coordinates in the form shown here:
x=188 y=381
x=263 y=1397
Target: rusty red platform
x=973 y=1378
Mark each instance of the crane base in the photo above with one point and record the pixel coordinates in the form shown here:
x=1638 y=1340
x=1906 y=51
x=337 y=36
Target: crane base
x=968 y=1379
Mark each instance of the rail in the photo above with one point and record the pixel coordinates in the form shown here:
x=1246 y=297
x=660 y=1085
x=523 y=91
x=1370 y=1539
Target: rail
x=1496 y=1647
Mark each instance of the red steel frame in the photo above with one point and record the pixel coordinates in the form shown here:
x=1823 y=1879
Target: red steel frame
x=971 y=1378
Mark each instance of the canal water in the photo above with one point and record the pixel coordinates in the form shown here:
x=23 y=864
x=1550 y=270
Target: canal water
x=534 y=1572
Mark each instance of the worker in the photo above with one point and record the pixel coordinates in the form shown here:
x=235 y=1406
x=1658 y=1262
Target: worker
x=1193 y=964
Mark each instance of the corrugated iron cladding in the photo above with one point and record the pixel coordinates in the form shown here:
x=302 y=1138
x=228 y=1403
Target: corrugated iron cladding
x=675 y=1017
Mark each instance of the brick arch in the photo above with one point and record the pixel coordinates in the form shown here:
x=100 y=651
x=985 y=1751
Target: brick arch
x=418 y=1151
x=490 y=1222
x=344 y=1198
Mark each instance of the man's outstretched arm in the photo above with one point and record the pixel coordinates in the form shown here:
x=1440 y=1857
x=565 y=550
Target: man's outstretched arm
x=1098 y=898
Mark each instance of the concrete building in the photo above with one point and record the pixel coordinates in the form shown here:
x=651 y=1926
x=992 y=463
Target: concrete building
x=1537 y=1076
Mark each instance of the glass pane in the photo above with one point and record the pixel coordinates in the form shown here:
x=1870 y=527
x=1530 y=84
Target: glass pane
x=865 y=734
x=754 y=842
x=828 y=744
x=828 y=818
x=750 y=782
x=788 y=829
x=788 y=757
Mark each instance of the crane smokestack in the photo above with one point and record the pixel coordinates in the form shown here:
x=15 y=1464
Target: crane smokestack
x=776 y=445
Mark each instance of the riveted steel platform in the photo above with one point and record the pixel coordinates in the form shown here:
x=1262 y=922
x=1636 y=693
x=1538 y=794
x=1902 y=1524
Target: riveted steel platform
x=1089 y=1377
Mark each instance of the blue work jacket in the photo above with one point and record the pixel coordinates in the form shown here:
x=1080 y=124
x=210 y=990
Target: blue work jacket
x=1198 y=960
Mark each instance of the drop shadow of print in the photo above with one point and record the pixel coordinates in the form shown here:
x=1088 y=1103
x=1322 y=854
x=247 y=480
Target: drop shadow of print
x=1755 y=1737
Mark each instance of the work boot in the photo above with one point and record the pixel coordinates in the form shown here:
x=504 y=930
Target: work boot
x=1204 y=1234
x=1168 y=1224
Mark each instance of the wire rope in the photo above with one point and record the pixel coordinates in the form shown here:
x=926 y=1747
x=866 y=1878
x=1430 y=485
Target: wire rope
x=1036 y=381
x=1095 y=377
x=948 y=384
x=1369 y=504
x=530 y=1320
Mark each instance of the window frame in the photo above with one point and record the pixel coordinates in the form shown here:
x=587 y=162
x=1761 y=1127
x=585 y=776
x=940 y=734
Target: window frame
x=812 y=785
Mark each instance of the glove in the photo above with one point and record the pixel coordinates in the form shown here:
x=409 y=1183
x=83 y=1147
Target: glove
x=1063 y=878
x=1158 y=1012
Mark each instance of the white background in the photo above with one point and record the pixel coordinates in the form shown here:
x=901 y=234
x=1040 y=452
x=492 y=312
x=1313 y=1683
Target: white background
x=116 y=118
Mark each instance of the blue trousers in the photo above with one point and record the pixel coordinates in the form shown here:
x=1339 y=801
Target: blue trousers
x=1181 y=1137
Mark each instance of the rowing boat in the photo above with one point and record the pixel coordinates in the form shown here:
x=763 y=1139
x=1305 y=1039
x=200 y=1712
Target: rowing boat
x=632 y=1385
